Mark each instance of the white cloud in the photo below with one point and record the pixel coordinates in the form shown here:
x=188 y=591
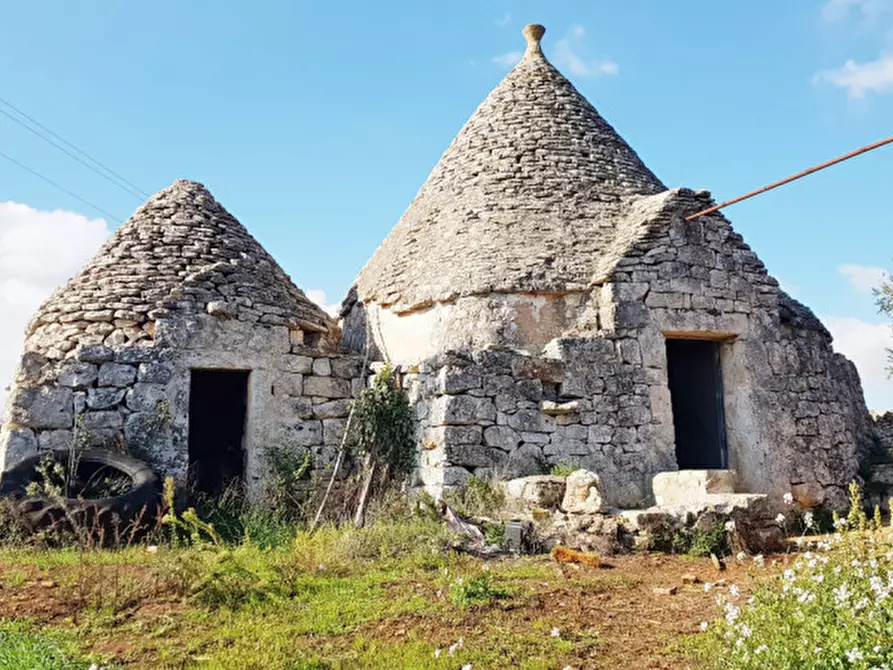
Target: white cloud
x=862 y=277
x=866 y=345
x=38 y=251
x=566 y=55
x=508 y=59
x=319 y=297
x=875 y=76
x=505 y=20
x=838 y=10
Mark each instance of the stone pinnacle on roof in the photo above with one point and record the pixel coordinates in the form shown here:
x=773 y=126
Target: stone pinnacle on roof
x=525 y=199
x=534 y=34
x=179 y=251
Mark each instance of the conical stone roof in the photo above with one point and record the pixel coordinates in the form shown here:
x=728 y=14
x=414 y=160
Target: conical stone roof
x=179 y=251
x=523 y=200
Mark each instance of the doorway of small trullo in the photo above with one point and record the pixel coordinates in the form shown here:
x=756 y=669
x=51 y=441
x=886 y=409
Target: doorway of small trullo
x=218 y=404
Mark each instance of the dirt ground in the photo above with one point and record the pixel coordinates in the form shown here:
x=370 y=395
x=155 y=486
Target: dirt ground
x=636 y=609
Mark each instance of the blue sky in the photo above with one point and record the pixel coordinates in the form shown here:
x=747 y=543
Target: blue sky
x=315 y=124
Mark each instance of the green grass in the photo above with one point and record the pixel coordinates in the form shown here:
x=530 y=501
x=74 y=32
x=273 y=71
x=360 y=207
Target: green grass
x=23 y=647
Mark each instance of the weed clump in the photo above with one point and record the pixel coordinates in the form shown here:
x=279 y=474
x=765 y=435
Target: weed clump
x=478 y=590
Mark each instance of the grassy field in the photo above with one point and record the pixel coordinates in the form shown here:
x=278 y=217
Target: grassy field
x=392 y=595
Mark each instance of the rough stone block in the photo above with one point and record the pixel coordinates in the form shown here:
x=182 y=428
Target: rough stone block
x=95 y=353
x=333 y=430
x=301 y=407
x=116 y=374
x=326 y=387
x=684 y=487
x=564 y=446
x=347 y=367
x=102 y=420
x=601 y=434
x=78 y=375
x=474 y=455
x=461 y=409
x=525 y=460
x=453 y=380
x=300 y=364
x=154 y=373
x=441 y=435
x=532 y=421
x=21 y=444
x=43 y=407
x=504 y=437
x=145 y=397
x=334 y=409
x=53 y=440
x=289 y=384
x=583 y=493
x=544 y=369
x=544 y=491
x=455 y=476
x=104 y=398
x=306 y=433
x=322 y=367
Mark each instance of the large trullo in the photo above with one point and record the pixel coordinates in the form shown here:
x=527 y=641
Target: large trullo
x=550 y=304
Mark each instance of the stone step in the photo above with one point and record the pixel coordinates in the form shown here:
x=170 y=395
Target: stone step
x=684 y=487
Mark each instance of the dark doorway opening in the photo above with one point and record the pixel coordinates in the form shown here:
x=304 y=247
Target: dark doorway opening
x=696 y=394
x=218 y=402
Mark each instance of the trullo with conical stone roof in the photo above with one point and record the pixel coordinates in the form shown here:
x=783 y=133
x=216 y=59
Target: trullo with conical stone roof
x=549 y=304
x=184 y=342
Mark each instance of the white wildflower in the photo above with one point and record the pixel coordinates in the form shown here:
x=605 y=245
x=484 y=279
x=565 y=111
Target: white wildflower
x=759 y=561
x=455 y=647
x=704 y=626
x=730 y=526
x=734 y=591
x=808 y=519
x=555 y=632
x=854 y=655
x=437 y=653
x=707 y=587
x=840 y=524
x=761 y=649
x=841 y=594
x=788 y=498
x=817 y=651
x=467 y=666
x=741 y=556
x=780 y=519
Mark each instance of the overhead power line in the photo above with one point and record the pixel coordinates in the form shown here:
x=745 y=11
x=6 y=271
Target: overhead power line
x=787 y=180
x=60 y=187
x=96 y=166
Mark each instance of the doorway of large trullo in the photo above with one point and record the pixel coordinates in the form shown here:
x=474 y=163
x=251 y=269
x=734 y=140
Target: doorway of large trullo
x=218 y=404
x=696 y=394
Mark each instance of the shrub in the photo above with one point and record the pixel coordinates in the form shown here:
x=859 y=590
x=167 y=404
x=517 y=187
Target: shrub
x=832 y=609
x=478 y=498
x=478 y=590
x=676 y=538
x=562 y=469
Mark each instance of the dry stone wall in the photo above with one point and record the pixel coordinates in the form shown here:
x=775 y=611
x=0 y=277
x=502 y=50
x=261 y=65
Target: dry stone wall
x=598 y=396
x=137 y=398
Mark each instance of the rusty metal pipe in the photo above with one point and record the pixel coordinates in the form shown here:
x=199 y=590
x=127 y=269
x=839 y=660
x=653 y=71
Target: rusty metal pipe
x=834 y=161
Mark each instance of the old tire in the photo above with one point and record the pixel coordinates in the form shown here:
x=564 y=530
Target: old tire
x=118 y=513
